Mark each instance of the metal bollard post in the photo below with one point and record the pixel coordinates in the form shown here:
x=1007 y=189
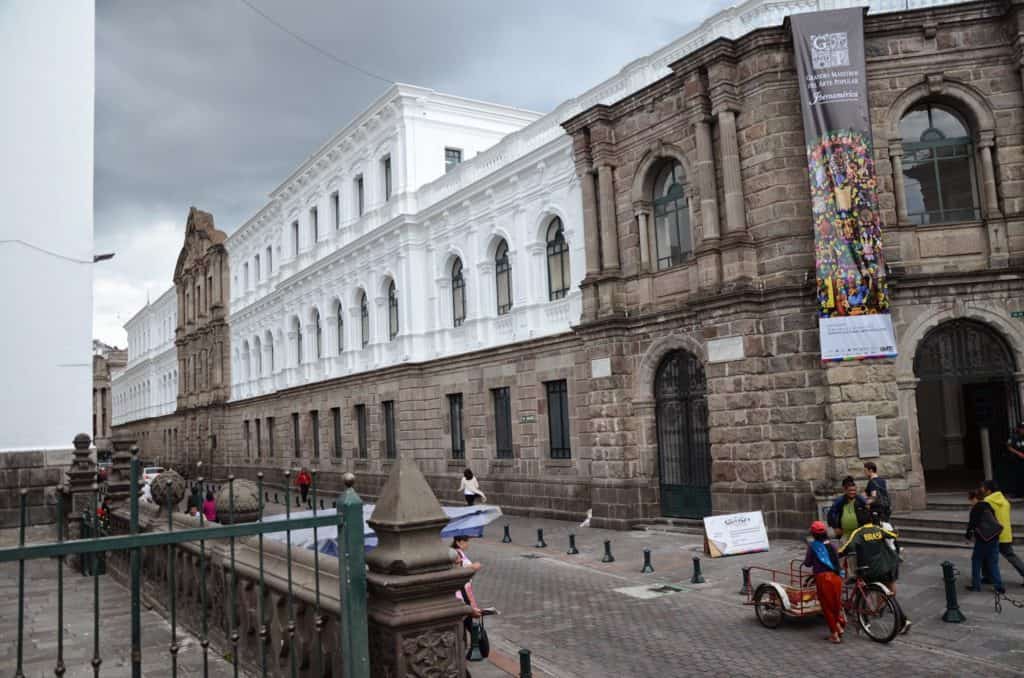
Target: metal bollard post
x=745 y=589
x=698 y=577
x=541 y=544
x=474 y=643
x=572 y=546
x=648 y=568
x=321 y=504
x=275 y=498
x=524 y=664
x=953 y=615
x=297 y=502
x=507 y=539
x=608 y=557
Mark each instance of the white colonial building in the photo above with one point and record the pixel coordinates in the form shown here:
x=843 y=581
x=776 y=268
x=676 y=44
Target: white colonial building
x=148 y=386
x=427 y=227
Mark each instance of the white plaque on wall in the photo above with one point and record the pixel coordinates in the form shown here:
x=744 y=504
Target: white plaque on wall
x=867 y=436
x=725 y=350
x=601 y=367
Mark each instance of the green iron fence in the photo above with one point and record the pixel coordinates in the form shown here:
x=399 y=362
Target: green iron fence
x=348 y=660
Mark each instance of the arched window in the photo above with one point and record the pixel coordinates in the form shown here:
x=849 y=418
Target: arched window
x=319 y=333
x=458 y=294
x=245 y=361
x=392 y=311
x=558 y=261
x=258 y=350
x=364 y=317
x=671 y=217
x=503 y=278
x=340 y=329
x=270 y=351
x=298 y=341
x=938 y=167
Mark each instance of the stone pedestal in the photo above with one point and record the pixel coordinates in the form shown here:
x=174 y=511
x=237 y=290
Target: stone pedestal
x=120 y=476
x=415 y=620
x=81 y=478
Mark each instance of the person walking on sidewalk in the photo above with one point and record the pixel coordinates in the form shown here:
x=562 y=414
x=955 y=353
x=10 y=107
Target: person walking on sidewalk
x=824 y=563
x=984 y=529
x=1001 y=508
x=842 y=516
x=304 y=480
x=877 y=491
x=470 y=488
x=210 y=508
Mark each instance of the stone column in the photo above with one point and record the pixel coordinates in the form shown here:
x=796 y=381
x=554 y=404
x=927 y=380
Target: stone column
x=591 y=234
x=898 y=187
x=609 y=227
x=988 y=176
x=705 y=168
x=735 y=214
x=647 y=246
x=415 y=620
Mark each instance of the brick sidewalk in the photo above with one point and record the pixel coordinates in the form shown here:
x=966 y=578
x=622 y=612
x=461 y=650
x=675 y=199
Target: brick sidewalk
x=582 y=618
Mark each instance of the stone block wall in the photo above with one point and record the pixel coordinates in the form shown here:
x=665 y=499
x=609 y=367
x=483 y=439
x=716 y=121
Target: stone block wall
x=38 y=473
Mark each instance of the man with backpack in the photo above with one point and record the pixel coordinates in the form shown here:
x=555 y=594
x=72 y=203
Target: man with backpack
x=877 y=492
x=876 y=556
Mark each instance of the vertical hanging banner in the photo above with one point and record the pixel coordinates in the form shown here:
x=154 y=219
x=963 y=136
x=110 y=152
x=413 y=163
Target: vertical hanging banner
x=853 y=303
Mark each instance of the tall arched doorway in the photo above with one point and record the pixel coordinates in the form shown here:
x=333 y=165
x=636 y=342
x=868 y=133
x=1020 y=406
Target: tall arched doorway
x=684 y=454
x=966 y=401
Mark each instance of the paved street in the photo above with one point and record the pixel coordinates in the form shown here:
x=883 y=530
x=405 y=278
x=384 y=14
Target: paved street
x=582 y=618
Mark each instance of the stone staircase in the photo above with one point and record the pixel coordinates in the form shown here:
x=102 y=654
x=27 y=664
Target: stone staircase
x=944 y=521
x=689 y=526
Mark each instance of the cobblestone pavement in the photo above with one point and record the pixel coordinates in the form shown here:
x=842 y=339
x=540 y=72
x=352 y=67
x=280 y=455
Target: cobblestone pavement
x=582 y=618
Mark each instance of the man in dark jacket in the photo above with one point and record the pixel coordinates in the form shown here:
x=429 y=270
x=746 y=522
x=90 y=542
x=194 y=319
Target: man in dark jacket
x=842 y=516
x=877 y=491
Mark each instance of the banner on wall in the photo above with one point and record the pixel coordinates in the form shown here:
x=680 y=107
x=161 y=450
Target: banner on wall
x=853 y=302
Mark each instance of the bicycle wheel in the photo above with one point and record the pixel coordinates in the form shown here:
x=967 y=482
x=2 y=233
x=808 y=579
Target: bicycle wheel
x=768 y=606
x=877 y=613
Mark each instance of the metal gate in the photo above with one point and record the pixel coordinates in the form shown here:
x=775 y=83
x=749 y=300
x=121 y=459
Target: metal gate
x=349 y=660
x=684 y=454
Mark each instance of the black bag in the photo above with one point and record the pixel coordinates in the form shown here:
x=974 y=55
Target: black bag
x=483 y=641
x=988 y=527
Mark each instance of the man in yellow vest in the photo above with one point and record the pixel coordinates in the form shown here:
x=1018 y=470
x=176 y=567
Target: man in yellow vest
x=1001 y=507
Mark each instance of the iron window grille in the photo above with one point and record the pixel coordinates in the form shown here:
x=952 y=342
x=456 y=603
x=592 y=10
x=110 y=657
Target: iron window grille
x=270 y=437
x=296 y=447
x=503 y=278
x=361 y=430
x=314 y=423
x=245 y=435
x=259 y=439
x=502 y=422
x=558 y=419
x=390 y=449
x=336 y=421
x=455 y=423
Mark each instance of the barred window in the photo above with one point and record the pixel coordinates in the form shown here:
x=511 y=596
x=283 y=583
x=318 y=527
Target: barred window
x=503 y=278
x=364 y=315
x=392 y=311
x=458 y=294
x=336 y=421
x=296 y=446
x=361 y=430
x=390 y=447
x=455 y=423
x=558 y=419
x=314 y=424
x=502 y=422
x=558 y=261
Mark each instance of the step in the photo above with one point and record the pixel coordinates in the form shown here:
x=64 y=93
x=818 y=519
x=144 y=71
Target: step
x=672 y=526
x=940 y=535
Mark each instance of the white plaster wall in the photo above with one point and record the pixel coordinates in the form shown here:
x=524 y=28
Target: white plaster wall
x=148 y=387
x=46 y=133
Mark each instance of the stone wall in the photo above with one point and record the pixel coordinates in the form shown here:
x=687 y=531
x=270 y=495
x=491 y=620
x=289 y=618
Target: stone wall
x=38 y=473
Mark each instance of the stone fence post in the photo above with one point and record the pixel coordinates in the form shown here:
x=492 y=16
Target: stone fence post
x=415 y=620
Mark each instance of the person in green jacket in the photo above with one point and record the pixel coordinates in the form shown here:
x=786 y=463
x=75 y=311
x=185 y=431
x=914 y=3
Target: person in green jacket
x=1001 y=506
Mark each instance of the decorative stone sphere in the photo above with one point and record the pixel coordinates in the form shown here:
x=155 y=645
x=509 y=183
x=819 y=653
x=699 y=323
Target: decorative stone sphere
x=163 y=493
x=247 y=502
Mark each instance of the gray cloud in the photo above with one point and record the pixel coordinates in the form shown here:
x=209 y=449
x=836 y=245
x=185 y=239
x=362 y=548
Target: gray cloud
x=207 y=104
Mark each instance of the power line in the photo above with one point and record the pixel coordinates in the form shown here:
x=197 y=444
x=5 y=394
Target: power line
x=46 y=251
x=314 y=46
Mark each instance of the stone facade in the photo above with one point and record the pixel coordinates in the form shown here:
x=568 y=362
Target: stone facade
x=107 y=361
x=778 y=428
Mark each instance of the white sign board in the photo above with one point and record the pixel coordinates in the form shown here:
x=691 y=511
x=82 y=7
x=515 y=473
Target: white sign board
x=725 y=350
x=857 y=336
x=736 y=533
x=867 y=437
x=600 y=367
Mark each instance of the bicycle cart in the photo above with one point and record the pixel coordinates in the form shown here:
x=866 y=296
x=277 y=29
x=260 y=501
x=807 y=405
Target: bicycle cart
x=792 y=593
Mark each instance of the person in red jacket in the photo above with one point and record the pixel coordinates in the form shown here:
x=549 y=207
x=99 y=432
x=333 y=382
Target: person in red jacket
x=304 y=480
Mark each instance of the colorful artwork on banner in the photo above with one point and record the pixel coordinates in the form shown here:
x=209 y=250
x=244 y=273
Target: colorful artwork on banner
x=848 y=228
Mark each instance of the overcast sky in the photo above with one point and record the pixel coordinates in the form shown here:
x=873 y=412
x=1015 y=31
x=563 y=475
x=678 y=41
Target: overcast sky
x=206 y=103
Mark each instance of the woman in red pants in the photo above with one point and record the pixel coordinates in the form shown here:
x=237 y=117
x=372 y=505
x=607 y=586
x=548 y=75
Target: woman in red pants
x=824 y=562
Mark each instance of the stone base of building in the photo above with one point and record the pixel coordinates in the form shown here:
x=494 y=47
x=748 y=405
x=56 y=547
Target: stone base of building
x=38 y=472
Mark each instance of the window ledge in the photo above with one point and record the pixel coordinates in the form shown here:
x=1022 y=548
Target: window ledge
x=457 y=463
x=972 y=223
x=559 y=463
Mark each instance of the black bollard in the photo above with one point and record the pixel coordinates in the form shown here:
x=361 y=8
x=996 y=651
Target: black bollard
x=697 y=577
x=474 y=654
x=524 y=664
x=608 y=557
x=953 y=615
x=507 y=539
x=745 y=589
x=275 y=498
x=266 y=496
x=297 y=502
x=648 y=568
x=321 y=504
x=541 y=544
x=572 y=545
x=334 y=504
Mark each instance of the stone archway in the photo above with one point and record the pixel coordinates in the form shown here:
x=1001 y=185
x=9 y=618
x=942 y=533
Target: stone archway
x=684 y=449
x=966 y=398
